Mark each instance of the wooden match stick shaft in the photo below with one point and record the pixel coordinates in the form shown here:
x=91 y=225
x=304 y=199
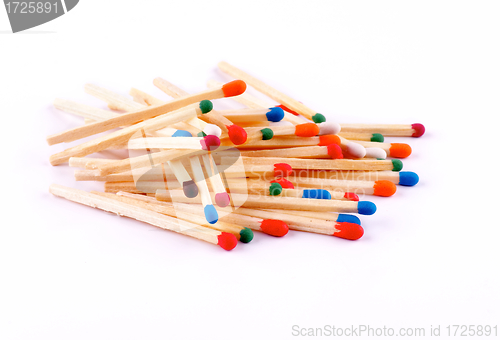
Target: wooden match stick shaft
x=138 y=213
x=297 y=152
x=83 y=110
x=267 y=90
x=387 y=130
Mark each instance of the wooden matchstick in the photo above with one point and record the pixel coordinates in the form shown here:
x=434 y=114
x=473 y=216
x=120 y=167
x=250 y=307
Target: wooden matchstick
x=85 y=111
x=225 y=240
x=387 y=130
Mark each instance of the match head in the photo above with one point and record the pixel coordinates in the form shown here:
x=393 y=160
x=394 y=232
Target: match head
x=419 y=129
x=182 y=133
x=384 y=188
x=274 y=227
x=275 y=189
x=335 y=151
x=285 y=184
x=408 y=178
x=399 y=150
x=206 y=106
x=377 y=137
x=319 y=194
x=306 y=130
x=377 y=153
x=237 y=134
x=397 y=165
x=211 y=214
x=328 y=139
x=212 y=129
x=234 y=88
x=222 y=199
x=329 y=128
x=275 y=114
x=366 y=208
x=227 y=241
x=282 y=170
x=210 y=143
x=356 y=150
x=318 y=118
x=190 y=189
x=267 y=134
x=351 y=196
x=246 y=235
x=349 y=231
x=348 y=218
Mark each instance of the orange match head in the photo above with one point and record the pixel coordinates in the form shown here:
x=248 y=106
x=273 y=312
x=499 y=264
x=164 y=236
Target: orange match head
x=384 y=188
x=306 y=130
x=234 y=88
x=274 y=227
x=328 y=139
x=399 y=150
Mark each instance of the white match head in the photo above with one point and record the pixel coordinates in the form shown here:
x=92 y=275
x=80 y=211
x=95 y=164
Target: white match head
x=211 y=129
x=328 y=128
x=376 y=153
x=356 y=150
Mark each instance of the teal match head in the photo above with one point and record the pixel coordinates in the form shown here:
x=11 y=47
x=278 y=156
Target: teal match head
x=246 y=235
x=275 y=114
x=267 y=134
x=182 y=133
x=377 y=137
x=366 y=208
x=408 y=178
x=211 y=214
x=318 y=118
x=275 y=189
x=397 y=165
x=206 y=106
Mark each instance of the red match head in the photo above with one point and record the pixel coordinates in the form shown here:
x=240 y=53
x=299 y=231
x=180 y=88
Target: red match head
x=274 y=227
x=287 y=109
x=349 y=231
x=351 y=196
x=210 y=142
x=282 y=170
x=237 y=134
x=234 y=88
x=227 y=241
x=335 y=151
x=285 y=184
x=419 y=130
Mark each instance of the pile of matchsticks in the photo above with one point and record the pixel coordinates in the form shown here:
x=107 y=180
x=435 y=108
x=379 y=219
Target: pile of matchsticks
x=219 y=175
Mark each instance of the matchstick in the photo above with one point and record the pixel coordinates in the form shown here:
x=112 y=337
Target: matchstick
x=387 y=130
x=121 y=136
x=278 y=142
x=222 y=198
x=396 y=150
x=378 y=188
x=302 y=130
x=189 y=187
x=331 y=151
x=207 y=143
x=85 y=111
x=230 y=89
x=243 y=234
x=114 y=100
x=327 y=216
x=237 y=134
x=362 y=136
x=323 y=164
x=406 y=178
x=283 y=203
x=206 y=199
x=225 y=240
x=271 y=92
x=273 y=114
x=268 y=226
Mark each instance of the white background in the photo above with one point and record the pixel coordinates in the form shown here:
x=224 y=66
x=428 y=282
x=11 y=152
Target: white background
x=429 y=255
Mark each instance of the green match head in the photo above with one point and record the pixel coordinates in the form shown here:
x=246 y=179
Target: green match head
x=201 y=134
x=267 y=134
x=397 y=165
x=246 y=235
x=377 y=137
x=318 y=118
x=275 y=189
x=206 y=106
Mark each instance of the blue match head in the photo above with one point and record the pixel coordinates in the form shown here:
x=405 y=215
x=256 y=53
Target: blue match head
x=182 y=133
x=366 y=208
x=275 y=114
x=408 y=178
x=317 y=194
x=348 y=218
x=211 y=214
